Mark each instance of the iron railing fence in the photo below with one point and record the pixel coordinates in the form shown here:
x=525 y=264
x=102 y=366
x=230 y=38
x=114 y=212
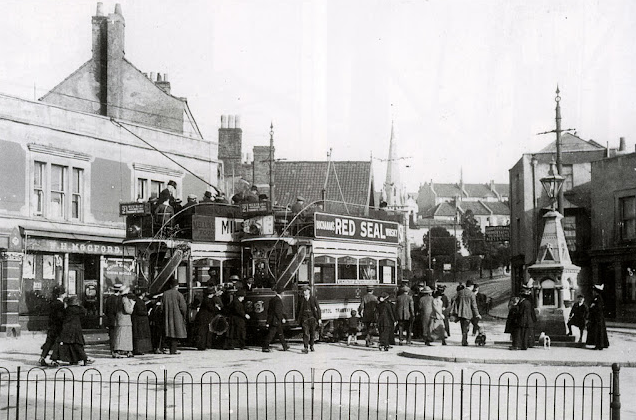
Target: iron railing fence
x=70 y=394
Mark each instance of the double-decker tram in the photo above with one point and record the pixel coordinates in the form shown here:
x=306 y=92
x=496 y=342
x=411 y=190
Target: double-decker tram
x=337 y=255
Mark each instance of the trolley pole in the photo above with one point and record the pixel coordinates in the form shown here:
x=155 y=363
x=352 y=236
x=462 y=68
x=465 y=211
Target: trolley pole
x=615 y=405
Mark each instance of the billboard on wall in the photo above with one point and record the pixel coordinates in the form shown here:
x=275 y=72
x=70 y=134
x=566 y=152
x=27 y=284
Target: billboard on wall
x=334 y=226
x=497 y=233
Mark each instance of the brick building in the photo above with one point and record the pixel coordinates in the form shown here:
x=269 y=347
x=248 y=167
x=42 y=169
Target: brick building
x=613 y=247
x=104 y=135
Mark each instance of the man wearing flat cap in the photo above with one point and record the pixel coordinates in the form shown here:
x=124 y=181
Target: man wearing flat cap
x=367 y=311
x=308 y=317
x=299 y=205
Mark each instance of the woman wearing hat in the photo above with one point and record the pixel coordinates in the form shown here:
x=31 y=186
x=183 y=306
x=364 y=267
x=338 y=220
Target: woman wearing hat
x=207 y=311
x=123 y=337
x=596 y=330
x=237 y=334
x=70 y=346
x=141 y=325
x=386 y=321
x=426 y=311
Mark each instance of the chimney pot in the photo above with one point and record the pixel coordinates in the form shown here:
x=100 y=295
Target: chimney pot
x=100 y=9
x=223 y=121
x=118 y=9
x=152 y=76
x=230 y=121
x=159 y=77
x=237 y=122
x=622 y=146
x=165 y=77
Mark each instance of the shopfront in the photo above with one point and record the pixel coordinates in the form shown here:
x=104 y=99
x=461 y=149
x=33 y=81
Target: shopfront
x=86 y=268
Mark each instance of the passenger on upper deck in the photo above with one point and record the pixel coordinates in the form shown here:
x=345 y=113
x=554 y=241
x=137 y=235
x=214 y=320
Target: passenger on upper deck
x=221 y=198
x=252 y=195
x=299 y=205
x=171 y=190
x=192 y=200
x=207 y=197
x=164 y=211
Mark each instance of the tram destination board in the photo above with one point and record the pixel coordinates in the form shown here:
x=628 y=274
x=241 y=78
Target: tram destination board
x=334 y=226
x=497 y=233
x=134 y=208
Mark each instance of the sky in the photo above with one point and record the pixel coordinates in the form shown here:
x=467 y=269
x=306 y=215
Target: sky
x=467 y=84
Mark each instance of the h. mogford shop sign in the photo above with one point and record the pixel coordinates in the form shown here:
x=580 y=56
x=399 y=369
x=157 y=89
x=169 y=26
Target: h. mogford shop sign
x=355 y=228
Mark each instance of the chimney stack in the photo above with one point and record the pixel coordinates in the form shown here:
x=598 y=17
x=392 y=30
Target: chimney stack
x=163 y=83
x=230 y=145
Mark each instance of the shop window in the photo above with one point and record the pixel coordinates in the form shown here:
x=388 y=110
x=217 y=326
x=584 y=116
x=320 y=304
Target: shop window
x=627 y=213
x=324 y=269
x=387 y=272
x=347 y=268
x=629 y=276
x=368 y=269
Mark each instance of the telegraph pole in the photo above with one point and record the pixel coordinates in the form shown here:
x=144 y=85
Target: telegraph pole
x=271 y=165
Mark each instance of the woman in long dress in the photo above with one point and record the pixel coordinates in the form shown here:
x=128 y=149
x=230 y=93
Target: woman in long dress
x=141 y=326
x=386 y=321
x=426 y=310
x=70 y=345
x=437 y=329
x=123 y=337
x=597 y=331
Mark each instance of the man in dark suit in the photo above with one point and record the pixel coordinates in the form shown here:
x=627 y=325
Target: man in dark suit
x=111 y=303
x=308 y=317
x=466 y=307
x=56 y=318
x=275 y=321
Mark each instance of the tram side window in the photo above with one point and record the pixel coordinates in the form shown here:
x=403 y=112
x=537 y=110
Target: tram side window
x=324 y=269
x=302 y=276
x=387 y=272
x=368 y=269
x=347 y=268
x=230 y=268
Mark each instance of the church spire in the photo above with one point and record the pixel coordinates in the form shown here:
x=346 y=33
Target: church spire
x=393 y=184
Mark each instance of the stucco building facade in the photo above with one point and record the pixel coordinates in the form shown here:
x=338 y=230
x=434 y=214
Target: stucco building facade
x=106 y=134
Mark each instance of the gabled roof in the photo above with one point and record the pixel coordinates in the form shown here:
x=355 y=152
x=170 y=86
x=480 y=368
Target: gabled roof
x=497 y=207
x=442 y=209
x=572 y=143
x=478 y=190
x=477 y=207
x=307 y=179
x=503 y=189
x=447 y=190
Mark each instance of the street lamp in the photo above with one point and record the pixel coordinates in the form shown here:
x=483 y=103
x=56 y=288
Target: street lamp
x=552 y=184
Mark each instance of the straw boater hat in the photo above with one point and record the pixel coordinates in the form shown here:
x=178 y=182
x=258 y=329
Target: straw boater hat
x=117 y=287
x=427 y=290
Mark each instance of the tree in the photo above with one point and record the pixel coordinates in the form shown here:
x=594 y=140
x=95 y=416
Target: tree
x=472 y=237
x=442 y=242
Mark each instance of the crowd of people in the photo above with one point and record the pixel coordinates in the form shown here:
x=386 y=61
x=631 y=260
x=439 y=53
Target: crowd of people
x=521 y=320
x=139 y=324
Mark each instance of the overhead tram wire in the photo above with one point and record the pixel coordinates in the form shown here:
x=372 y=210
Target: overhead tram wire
x=121 y=125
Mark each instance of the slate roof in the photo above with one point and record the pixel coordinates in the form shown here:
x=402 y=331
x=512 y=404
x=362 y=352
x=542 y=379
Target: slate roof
x=477 y=207
x=498 y=207
x=442 y=209
x=473 y=190
x=307 y=179
x=572 y=143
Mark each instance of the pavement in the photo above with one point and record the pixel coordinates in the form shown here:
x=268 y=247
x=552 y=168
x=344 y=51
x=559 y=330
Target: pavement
x=24 y=350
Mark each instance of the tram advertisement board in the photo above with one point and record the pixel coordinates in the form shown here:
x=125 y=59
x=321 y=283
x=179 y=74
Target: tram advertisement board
x=334 y=226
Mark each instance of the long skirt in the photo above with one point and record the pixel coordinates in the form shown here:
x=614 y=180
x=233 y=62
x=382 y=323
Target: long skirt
x=123 y=338
x=141 y=335
x=69 y=352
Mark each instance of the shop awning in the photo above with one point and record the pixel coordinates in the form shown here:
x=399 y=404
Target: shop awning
x=53 y=233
